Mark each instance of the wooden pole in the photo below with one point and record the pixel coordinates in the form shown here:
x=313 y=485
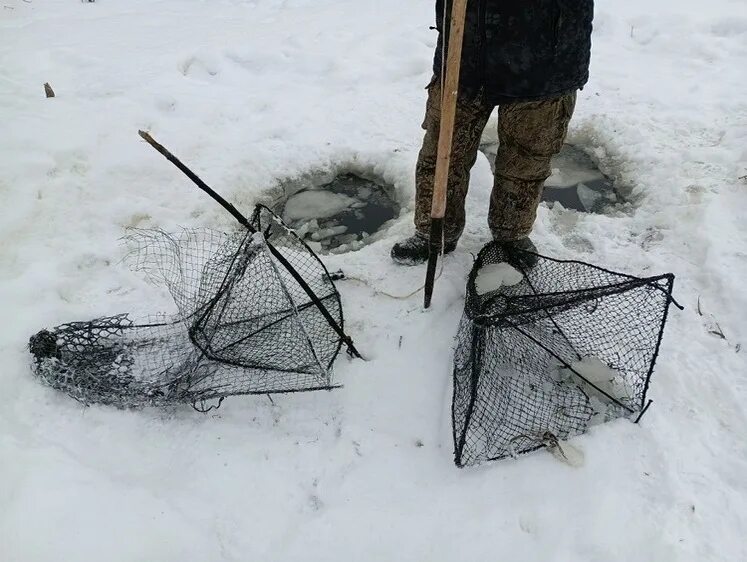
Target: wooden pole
x=243 y=221
x=449 y=93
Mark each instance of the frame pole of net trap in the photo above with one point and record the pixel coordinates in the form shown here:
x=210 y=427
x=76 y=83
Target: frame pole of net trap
x=449 y=93
x=248 y=225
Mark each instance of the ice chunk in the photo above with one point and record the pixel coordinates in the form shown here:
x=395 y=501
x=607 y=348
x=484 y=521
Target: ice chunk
x=496 y=275
x=604 y=378
x=302 y=229
x=325 y=233
x=600 y=410
x=311 y=226
x=316 y=247
x=593 y=200
x=345 y=239
x=571 y=167
x=556 y=178
x=315 y=204
x=572 y=176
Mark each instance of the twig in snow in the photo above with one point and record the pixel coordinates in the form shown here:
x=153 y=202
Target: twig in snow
x=715 y=328
x=718 y=331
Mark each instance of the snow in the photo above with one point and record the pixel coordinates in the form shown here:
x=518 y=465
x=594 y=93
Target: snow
x=496 y=275
x=251 y=93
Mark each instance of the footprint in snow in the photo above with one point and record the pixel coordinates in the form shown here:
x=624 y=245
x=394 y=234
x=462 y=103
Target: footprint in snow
x=199 y=67
x=165 y=104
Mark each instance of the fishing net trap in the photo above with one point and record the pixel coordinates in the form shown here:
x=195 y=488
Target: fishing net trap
x=257 y=312
x=547 y=348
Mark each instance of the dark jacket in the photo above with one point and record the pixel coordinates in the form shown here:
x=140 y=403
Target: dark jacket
x=520 y=50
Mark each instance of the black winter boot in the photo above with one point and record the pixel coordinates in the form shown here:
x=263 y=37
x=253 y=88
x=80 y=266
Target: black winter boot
x=520 y=257
x=414 y=250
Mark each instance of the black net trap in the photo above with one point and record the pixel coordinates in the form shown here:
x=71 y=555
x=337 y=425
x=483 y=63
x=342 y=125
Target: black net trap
x=547 y=348
x=257 y=313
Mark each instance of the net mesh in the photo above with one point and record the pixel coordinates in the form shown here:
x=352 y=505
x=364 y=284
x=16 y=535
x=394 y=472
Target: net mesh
x=244 y=323
x=567 y=346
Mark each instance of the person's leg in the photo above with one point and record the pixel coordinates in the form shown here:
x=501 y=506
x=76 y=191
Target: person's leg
x=471 y=116
x=530 y=134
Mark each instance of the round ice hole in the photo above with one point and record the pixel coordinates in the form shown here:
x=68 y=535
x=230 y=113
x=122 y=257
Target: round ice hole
x=341 y=215
x=576 y=181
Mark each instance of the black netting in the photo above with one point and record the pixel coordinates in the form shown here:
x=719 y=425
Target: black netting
x=245 y=323
x=547 y=348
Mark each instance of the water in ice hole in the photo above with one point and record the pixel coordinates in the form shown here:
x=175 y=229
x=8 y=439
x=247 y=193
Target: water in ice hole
x=576 y=182
x=339 y=216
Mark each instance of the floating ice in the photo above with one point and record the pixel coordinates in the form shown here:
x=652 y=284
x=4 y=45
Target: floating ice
x=496 y=275
x=316 y=204
x=572 y=173
x=325 y=233
x=316 y=247
x=593 y=199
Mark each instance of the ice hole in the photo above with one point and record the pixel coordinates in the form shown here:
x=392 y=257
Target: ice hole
x=338 y=216
x=576 y=181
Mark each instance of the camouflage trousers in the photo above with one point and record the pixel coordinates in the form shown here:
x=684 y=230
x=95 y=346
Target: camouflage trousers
x=529 y=133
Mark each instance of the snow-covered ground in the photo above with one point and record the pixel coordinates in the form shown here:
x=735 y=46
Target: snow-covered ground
x=253 y=92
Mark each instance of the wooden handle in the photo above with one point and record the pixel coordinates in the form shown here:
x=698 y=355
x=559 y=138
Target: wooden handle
x=449 y=94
